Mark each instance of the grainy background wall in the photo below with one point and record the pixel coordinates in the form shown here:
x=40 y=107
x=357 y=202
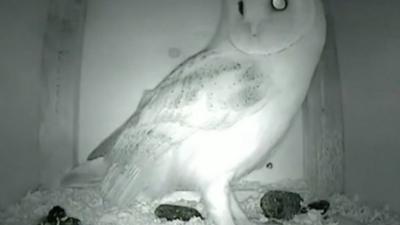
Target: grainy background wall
x=22 y=25
x=368 y=42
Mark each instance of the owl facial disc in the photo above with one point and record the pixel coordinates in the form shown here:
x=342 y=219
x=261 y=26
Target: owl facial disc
x=269 y=26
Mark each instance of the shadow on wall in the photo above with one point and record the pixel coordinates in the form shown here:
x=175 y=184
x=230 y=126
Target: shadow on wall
x=368 y=49
x=22 y=24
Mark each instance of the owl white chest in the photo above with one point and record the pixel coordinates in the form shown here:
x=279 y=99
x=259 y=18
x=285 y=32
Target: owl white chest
x=233 y=151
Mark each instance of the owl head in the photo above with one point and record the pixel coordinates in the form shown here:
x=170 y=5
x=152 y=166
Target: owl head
x=269 y=26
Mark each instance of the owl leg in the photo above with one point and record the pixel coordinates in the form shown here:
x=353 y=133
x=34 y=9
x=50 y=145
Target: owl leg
x=216 y=197
x=239 y=215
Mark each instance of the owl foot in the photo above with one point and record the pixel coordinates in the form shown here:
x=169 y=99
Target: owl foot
x=223 y=207
x=216 y=198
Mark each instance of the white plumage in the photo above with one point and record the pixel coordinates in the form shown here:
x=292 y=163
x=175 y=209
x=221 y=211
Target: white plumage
x=216 y=116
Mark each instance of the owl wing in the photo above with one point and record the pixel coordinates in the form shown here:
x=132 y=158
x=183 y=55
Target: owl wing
x=207 y=92
x=107 y=144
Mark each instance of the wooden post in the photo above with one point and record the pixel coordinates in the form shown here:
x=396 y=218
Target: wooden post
x=323 y=123
x=62 y=56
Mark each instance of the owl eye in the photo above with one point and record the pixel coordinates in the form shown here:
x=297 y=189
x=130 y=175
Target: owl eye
x=279 y=5
x=241 y=7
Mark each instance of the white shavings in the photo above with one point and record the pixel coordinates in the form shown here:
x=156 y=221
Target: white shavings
x=354 y=210
x=87 y=205
x=84 y=204
x=313 y=217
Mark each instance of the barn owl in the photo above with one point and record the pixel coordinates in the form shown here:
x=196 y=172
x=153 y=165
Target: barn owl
x=217 y=115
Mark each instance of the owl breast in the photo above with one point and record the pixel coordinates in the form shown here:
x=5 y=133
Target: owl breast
x=234 y=151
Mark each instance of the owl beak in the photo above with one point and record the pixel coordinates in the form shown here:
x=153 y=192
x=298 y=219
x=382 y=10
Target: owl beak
x=254 y=28
x=254 y=24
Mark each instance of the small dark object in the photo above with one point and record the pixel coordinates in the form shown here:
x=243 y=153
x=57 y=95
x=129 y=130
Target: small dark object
x=303 y=210
x=175 y=212
x=241 y=8
x=320 y=205
x=58 y=216
x=281 y=204
x=56 y=213
x=270 y=165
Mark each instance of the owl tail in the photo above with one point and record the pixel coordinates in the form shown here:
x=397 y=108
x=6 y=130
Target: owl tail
x=88 y=174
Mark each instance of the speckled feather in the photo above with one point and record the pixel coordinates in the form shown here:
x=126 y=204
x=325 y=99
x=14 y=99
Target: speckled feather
x=208 y=91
